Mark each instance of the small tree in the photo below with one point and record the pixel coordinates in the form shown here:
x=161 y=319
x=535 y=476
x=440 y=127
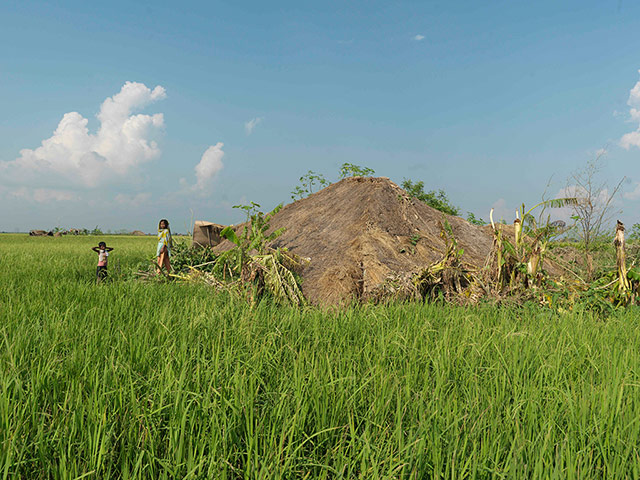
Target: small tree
x=308 y=181
x=593 y=210
x=435 y=199
x=351 y=170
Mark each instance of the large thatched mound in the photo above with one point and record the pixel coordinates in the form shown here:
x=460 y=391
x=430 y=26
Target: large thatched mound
x=362 y=232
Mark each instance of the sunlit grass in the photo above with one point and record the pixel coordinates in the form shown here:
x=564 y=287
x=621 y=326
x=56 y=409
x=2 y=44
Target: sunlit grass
x=167 y=380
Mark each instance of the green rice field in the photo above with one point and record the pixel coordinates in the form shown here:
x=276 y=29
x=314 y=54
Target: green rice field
x=169 y=380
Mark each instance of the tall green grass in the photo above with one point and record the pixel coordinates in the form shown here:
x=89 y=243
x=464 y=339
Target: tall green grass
x=156 y=380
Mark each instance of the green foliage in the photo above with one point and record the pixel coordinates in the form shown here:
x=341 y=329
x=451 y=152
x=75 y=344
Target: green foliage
x=533 y=224
x=184 y=256
x=308 y=183
x=603 y=296
x=518 y=265
x=634 y=236
x=253 y=239
x=351 y=170
x=435 y=199
x=472 y=219
x=96 y=231
x=447 y=278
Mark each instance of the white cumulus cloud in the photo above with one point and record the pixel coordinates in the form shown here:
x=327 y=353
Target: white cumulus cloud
x=251 y=124
x=73 y=156
x=206 y=170
x=209 y=166
x=418 y=37
x=632 y=139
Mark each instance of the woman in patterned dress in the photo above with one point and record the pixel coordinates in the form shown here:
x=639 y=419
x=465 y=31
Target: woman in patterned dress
x=163 y=252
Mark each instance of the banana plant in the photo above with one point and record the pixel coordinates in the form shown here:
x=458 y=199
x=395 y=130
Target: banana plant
x=253 y=239
x=259 y=267
x=623 y=279
x=526 y=253
x=540 y=235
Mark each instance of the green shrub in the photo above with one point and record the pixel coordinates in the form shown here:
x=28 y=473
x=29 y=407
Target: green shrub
x=435 y=199
x=351 y=170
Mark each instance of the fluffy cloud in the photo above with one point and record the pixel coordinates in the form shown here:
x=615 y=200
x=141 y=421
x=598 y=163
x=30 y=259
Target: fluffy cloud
x=73 y=156
x=209 y=166
x=418 y=37
x=251 y=124
x=632 y=139
x=206 y=170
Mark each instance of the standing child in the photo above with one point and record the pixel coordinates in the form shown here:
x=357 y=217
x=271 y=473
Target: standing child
x=103 y=256
x=163 y=252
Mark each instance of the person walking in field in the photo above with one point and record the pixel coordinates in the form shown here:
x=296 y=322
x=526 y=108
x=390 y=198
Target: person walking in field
x=163 y=252
x=103 y=257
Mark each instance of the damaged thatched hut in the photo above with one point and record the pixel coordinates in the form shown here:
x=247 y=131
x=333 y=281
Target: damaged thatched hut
x=40 y=233
x=206 y=234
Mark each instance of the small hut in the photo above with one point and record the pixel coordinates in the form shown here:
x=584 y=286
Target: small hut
x=206 y=234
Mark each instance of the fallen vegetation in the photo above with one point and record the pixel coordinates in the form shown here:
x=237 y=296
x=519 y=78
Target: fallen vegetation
x=367 y=240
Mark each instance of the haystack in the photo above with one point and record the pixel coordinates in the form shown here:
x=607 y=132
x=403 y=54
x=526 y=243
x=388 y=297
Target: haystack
x=361 y=234
x=206 y=234
x=137 y=233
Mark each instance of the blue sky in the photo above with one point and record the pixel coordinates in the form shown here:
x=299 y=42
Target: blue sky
x=486 y=101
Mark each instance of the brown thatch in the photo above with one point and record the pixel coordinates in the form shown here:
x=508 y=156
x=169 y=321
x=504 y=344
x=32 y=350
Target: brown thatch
x=138 y=233
x=39 y=233
x=362 y=234
x=206 y=234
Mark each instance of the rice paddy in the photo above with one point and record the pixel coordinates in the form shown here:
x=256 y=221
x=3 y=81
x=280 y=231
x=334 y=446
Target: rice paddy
x=167 y=380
